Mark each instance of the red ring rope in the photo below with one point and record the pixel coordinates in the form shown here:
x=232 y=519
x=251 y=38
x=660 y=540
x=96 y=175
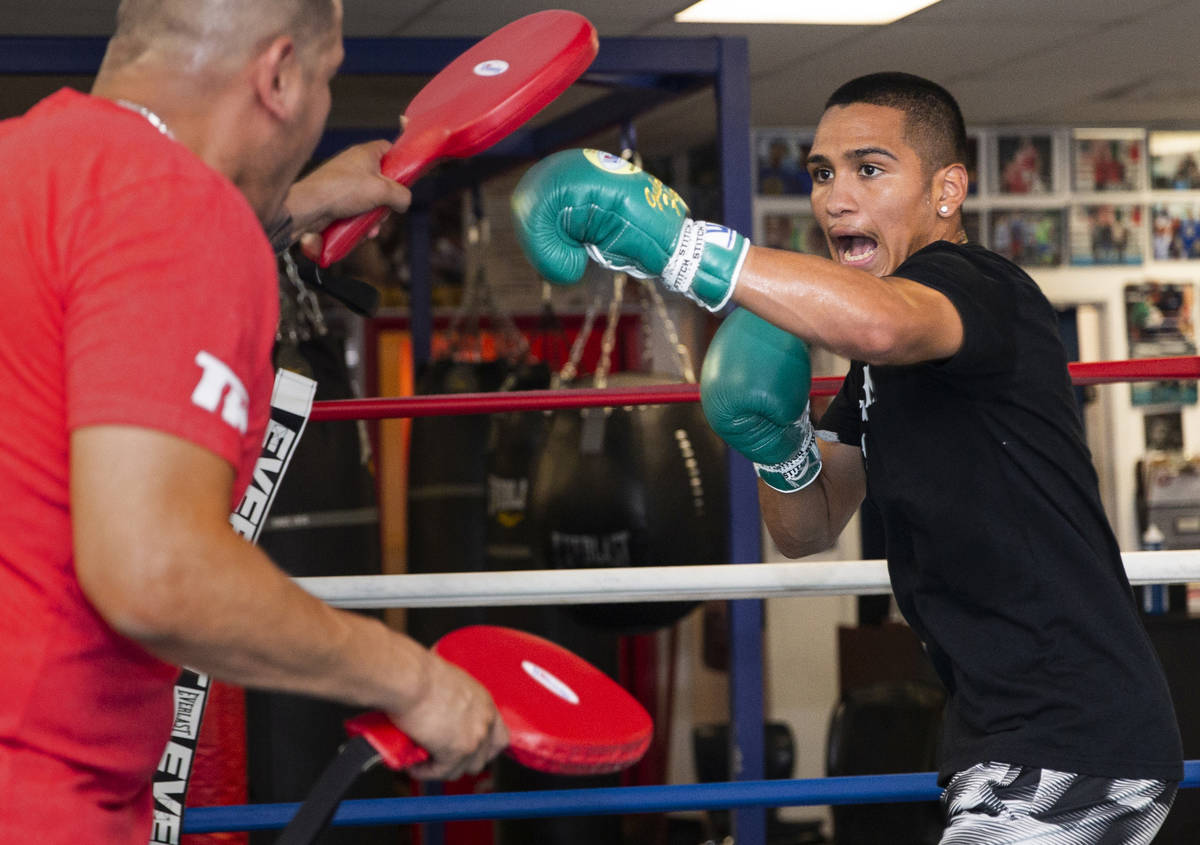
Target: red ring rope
x=1097 y=372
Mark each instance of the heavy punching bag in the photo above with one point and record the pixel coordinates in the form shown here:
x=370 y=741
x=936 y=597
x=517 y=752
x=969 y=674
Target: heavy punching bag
x=637 y=486
x=447 y=489
x=516 y=442
x=447 y=470
x=324 y=521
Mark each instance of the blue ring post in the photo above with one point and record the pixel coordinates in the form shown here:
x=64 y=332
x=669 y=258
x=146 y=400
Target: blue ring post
x=745 y=541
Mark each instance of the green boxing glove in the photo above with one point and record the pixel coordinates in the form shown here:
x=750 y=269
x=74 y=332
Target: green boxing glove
x=754 y=388
x=580 y=203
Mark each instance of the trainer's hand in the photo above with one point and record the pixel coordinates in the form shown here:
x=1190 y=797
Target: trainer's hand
x=344 y=186
x=456 y=721
x=754 y=388
x=580 y=203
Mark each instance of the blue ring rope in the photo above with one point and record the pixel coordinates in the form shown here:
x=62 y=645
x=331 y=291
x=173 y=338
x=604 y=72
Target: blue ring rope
x=860 y=789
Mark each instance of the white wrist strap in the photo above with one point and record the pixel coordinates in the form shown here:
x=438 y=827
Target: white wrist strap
x=798 y=466
x=684 y=263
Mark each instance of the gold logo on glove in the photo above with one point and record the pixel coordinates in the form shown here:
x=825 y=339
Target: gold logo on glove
x=661 y=197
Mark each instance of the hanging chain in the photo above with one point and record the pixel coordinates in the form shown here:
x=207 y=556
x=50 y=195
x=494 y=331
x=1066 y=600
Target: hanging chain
x=682 y=356
x=609 y=339
x=571 y=369
x=310 y=306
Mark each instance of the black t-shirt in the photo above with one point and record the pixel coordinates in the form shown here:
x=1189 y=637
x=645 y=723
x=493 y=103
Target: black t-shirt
x=1000 y=554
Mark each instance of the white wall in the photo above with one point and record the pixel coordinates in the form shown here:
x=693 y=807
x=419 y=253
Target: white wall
x=1116 y=433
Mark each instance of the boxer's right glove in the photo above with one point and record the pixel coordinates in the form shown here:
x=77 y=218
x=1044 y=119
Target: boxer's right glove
x=754 y=388
x=578 y=204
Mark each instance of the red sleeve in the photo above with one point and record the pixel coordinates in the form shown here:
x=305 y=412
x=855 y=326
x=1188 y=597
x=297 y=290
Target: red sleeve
x=170 y=311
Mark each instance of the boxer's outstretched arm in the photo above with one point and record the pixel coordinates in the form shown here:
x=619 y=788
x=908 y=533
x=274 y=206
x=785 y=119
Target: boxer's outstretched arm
x=848 y=311
x=577 y=205
x=808 y=521
x=156 y=556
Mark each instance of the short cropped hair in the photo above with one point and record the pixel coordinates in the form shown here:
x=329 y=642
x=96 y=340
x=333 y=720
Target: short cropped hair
x=933 y=122
x=201 y=31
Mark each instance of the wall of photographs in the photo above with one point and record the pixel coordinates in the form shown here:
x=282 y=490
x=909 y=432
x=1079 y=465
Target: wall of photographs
x=1042 y=197
x=1107 y=219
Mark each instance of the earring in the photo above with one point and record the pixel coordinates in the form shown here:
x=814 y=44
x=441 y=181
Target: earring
x=945 y=209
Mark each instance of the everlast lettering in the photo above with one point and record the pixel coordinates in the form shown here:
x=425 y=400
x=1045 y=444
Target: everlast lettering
x=589 y=550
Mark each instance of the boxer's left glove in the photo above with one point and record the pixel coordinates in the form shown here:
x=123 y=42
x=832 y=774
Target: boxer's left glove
x=754 y=388
x=580 y=203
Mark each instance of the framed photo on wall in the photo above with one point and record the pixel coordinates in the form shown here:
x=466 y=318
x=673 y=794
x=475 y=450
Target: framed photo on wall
x=1024 y=164
x=1174 y=160
x=1175 y=231
x=780 y=158
x=796 y=231
x=1106 y=234
x=1108 y=159
x=1032 y=237
x=1163 y=432
x=1159 y=323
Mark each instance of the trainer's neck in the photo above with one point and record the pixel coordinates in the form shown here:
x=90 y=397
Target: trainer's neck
x=216 y=124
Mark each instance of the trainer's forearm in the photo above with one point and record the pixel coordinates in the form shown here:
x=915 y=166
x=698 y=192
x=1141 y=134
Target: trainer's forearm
x=222 y=607
x=348 y=184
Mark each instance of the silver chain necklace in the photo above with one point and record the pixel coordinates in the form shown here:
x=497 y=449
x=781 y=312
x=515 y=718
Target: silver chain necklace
x=151 y=118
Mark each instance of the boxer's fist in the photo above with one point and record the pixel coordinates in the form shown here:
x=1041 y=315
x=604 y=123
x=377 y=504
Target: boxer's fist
x=754 y=388
x=580 y=203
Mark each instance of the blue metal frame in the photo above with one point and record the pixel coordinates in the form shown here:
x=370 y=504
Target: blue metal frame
x=641 y=73
x=745 y=544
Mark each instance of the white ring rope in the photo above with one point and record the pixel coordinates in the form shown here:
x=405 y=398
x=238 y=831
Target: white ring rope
x=656 y=583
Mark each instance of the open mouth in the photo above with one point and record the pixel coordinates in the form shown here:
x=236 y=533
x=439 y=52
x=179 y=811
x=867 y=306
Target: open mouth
x=855 y=249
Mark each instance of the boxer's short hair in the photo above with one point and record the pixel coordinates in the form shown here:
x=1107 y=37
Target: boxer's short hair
x=933 y=124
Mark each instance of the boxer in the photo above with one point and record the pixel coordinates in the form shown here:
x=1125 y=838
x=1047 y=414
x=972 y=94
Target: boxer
x=956 y=414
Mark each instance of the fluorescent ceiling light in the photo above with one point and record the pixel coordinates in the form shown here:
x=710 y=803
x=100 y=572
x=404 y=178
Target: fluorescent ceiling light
x=800 y=11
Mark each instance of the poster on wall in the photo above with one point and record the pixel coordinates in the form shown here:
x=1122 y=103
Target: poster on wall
x=1024 y=164
x=1163 y=432
x=1106 y=234
x=1174 y=160
x=1175 y=231
x=797 y=232
x=1108 y=159
x=1030 y=237
x=1159 y=323
x=780 y=159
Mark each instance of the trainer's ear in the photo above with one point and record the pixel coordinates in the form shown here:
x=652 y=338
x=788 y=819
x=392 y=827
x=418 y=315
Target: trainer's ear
x=950 y=189
x=279 y=78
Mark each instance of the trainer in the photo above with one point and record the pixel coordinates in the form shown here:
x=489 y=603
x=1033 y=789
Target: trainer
x=140 y=310
x=957 y=414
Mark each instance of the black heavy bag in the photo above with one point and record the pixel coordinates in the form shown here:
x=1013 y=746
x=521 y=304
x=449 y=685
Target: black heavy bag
x=324 y=521
x=638 y=486
x=447 y=489
x=515 y=440
x=515 y=443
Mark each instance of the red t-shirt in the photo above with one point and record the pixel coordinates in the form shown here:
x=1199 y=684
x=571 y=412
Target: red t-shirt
x=137 y=288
